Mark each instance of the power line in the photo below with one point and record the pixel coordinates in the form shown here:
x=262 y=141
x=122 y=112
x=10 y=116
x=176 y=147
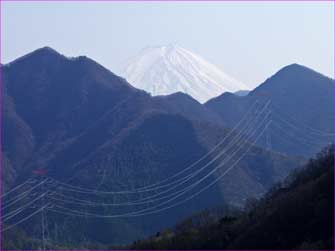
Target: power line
x=298 y=124
x=20 y=209
x=146 y=188
x=302 y=140
x=15 y=188
x=21 y=196
x=141 y=212
x=24 y=219
x=138 y=202
x=85 y=190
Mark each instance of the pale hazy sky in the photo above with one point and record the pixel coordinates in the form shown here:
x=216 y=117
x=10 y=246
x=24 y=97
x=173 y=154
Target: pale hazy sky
x=248 y=40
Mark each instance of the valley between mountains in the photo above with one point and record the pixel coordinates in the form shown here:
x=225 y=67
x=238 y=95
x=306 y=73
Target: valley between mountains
x=94 y=135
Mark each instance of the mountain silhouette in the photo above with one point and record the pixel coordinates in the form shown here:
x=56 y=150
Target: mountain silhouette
x=90 y=128
x=302 y=111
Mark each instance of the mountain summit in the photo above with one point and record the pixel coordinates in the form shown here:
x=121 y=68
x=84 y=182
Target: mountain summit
x=168 y=69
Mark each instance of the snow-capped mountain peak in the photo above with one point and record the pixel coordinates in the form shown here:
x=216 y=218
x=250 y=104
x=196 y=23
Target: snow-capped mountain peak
x=168 y=69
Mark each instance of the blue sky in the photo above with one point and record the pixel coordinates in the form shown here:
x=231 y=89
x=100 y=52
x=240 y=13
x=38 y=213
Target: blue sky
x=248 y=40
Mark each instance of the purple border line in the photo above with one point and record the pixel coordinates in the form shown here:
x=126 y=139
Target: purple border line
x=167 y=1
x=333 y=112
x=1 y=102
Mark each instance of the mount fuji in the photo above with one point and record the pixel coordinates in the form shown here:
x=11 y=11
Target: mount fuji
x=168 y=69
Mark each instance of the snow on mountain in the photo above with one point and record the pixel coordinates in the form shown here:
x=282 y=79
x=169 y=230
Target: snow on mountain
x=168 y=69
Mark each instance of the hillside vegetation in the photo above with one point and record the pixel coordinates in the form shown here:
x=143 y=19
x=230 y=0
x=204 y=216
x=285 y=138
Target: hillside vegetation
x=296 y=214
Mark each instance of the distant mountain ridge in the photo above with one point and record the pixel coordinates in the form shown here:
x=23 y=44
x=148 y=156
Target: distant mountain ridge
x=168 y=69
x=74 y=117
x=302 y=110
